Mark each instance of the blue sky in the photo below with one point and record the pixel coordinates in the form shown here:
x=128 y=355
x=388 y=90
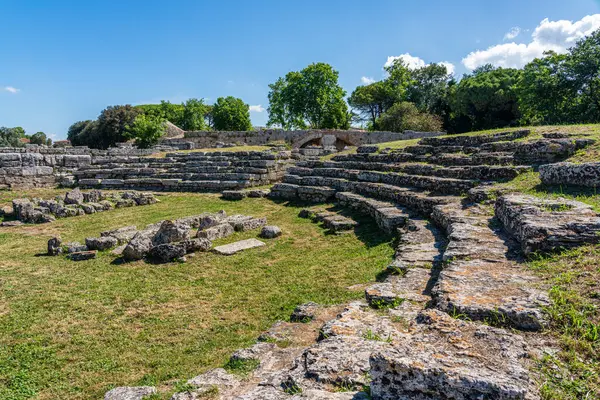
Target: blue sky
x=64 y=61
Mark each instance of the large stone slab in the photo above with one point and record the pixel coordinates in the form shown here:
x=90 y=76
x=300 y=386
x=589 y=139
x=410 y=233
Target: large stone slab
x=548 y=224
x=236 y=247
x=585 y=174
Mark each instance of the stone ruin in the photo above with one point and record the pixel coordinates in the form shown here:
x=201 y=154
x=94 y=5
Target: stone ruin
x=71 y=204
x=167 y=240
x=456 y=294
x=36 y=166
x=188 y=172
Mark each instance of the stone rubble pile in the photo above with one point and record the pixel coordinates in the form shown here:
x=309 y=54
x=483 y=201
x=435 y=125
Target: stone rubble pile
x=164 y=241
x=73 y=203
x=187 y=172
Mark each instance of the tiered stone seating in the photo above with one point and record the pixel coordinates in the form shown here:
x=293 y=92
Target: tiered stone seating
x=478 y=280
x=200 y=171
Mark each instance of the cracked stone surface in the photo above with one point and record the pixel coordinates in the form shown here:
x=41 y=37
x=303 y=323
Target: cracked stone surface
x=548 y=224
x=236 y=247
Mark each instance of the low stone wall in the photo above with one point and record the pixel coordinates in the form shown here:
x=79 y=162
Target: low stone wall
x=296 y=138
x=186 y=172
x=586 y=174
x=36 y=166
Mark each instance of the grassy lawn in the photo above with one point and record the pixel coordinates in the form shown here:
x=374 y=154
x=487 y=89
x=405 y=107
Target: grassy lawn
x=74 y=330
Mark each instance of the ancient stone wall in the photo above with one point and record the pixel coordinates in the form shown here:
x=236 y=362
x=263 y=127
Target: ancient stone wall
x=35 y=166
x=189 y=172
x=297 y=138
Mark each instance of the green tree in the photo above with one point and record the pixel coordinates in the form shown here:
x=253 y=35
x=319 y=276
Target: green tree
x=194 y=115
x=487 y=99
x=112 y=125
x=406 y=116
x=309 y=98
x=146 y=131
x=428 y=88
x=75 y=130
x=545 y=93
x=371 y=101
x=231 y=114
x=165 y=110
x=40 y=138
x=11 y=137
x=583 y=66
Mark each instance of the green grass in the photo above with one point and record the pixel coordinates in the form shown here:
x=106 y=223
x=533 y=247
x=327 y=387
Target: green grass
x=74 y=330
x=574 y=371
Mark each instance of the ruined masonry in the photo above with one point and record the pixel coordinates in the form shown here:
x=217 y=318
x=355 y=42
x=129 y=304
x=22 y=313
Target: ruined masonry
x=455 y=284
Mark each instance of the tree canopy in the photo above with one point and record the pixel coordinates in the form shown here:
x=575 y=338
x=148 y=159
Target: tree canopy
x=231 y=114
x=310 y=98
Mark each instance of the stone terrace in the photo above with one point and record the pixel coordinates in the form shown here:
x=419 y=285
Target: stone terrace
x=193 y=172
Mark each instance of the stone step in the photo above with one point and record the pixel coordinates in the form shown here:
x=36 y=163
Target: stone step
x=475 y=159
x=478 y=281
x=473 y=172
x=432 y=183
x=387 y=215
x=473 y=141
x=416 y=199
x=167 y=184
x=428 y=149
x=382 y=157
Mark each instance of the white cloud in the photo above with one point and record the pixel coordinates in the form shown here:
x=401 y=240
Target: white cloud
x=449 y=66
x=512 y=33
x=410 y=61
x=257 y=108
x=413 y=62
x=12 y=90
x=558 y=36
x=367 y=80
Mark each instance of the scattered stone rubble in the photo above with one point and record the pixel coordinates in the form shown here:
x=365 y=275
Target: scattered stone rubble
x=76 y=202
x=165 y=241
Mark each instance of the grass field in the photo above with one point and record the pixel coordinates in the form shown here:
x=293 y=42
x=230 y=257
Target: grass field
x=73 y=330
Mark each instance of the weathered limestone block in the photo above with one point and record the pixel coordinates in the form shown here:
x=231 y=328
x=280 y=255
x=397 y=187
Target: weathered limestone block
x=233 y=194
x=570 y=174
x=170 y=232
x=548 y=224
x=74 y=197
x=216 y=232
x=477 y=361
x=101 y=243
x=167 y=252
x=54 y=246
x=129 y=393
x=82 y=255
x=140 y=244
x=236 y=247
x=122 y=235
x=270 y=232
x=242 y=223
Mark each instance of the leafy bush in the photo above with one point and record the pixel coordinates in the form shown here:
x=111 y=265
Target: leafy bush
x=231 y=114
x=405 y=116
x=146 y=131
x=11 y=137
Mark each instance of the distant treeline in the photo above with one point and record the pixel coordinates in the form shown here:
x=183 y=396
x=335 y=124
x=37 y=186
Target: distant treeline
x=554 y=89
x=16 y=137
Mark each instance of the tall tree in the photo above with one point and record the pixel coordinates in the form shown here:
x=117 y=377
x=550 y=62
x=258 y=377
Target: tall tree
x=311 y=98
x=194 y=115
x=11 y=137
x=113 y=123
x=231 y=114
x=488 y=99
x=371 y=101
x=40 y=138
x=428 y=88
x=584 y=66
x=146 y=130
x=546 y=95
